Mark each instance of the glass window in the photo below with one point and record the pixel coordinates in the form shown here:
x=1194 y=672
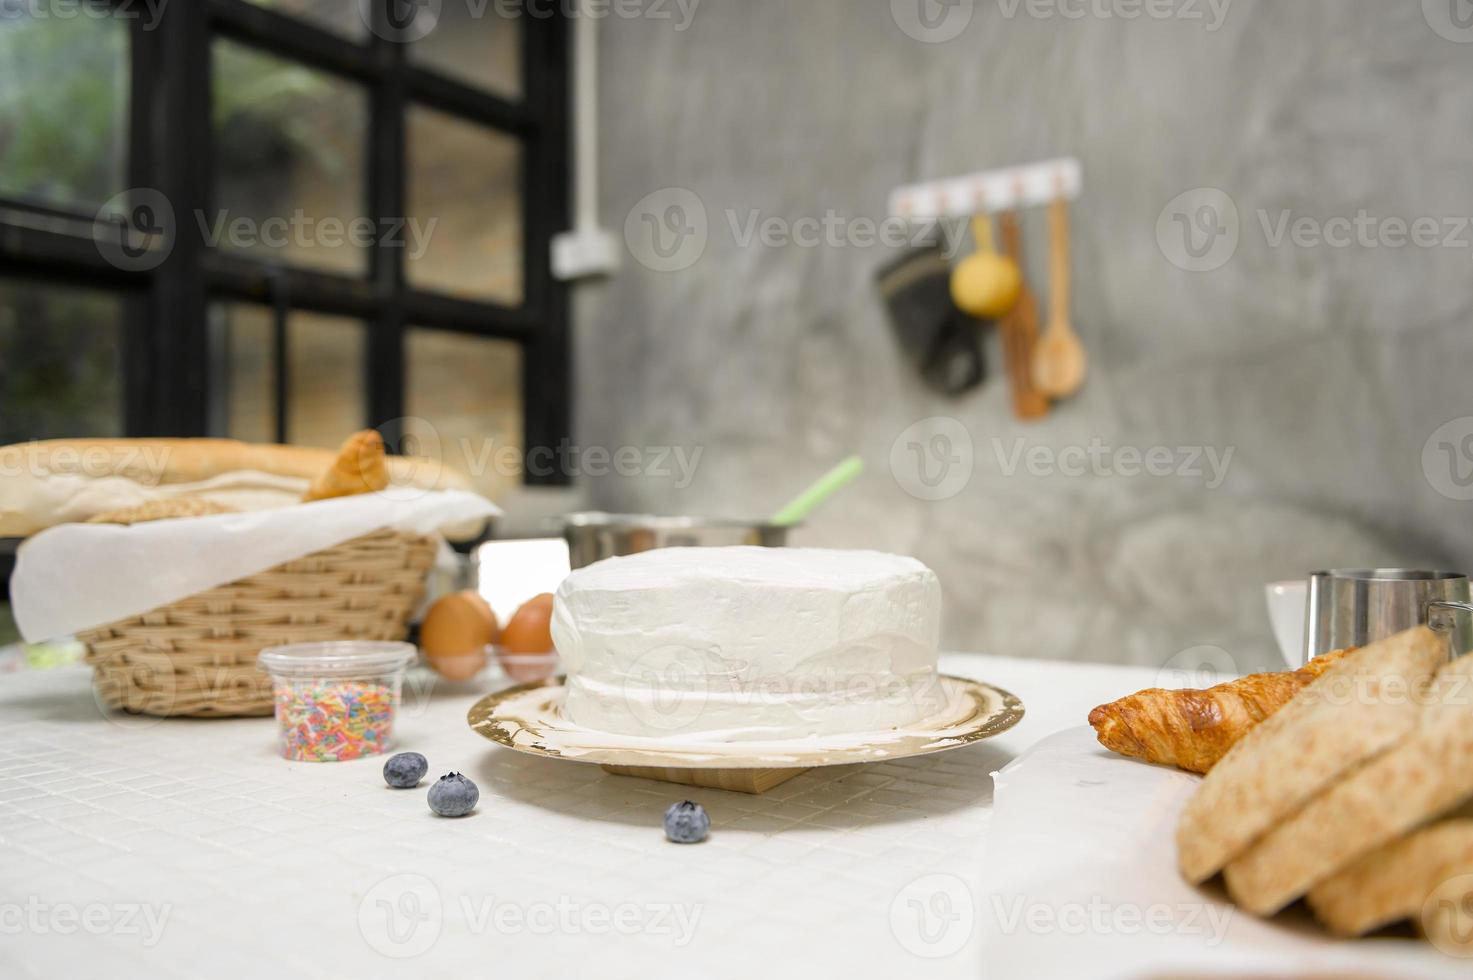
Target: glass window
x=325 y=379
x=289 y=146
x=479 y=45
x=346 y=17
x=325 y=394
x=291 y=170
x=63 y=107
x=463 y=396
x=465 y=208
x=60 y=362
x=243 y=372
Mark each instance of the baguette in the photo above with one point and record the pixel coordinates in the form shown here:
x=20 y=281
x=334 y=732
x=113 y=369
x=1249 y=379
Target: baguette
x=155 y=462
x=1363 y=705
x=59 y=481
x=1423 y=777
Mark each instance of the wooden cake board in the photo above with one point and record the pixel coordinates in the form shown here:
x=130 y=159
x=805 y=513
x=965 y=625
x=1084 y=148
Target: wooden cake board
x=736 y=780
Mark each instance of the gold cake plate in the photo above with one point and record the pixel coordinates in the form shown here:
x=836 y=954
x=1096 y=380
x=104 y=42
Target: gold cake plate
x=529 y=718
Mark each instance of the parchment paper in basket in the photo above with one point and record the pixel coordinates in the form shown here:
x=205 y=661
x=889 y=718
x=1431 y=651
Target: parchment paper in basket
x=76 y=576
x=1080 y=878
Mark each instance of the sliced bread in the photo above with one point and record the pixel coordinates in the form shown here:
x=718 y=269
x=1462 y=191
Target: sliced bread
x=1393 y=882
x=1362 y=706
x=1421 y=778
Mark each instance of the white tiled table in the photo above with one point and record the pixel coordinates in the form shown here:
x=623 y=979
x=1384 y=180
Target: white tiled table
x=146 y=848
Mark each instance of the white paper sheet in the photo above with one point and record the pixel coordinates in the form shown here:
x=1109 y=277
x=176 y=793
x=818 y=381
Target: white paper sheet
x=1080 y=881
x=76 y=576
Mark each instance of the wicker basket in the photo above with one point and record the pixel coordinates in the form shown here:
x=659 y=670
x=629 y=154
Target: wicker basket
x=197 y=657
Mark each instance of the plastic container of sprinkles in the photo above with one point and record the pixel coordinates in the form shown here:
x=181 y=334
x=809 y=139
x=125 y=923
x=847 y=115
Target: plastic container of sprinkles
x=336 y=701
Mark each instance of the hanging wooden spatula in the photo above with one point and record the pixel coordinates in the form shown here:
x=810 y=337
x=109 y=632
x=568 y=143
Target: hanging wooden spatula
x=1020 y=332
x=1058 y=359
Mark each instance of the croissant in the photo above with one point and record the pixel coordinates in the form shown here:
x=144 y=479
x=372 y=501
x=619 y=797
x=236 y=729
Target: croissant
x=1193 y=729
x=359 y=468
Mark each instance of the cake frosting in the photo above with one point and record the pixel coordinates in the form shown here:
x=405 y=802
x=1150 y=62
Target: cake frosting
x=747 y=643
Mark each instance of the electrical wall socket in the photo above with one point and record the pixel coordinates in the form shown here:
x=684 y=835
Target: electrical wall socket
x=579 y=254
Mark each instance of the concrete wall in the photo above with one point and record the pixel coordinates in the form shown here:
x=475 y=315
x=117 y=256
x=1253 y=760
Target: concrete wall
x=1323 y=368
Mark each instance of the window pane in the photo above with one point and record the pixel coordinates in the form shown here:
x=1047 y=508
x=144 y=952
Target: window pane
x=464 y=398
x=60 y=362
x=325 y=375
x=477 y=44
x=465 y=208
x=325 y=367
x=243 y=371
x=346 y=17
x=63 y=107
x=289 y=148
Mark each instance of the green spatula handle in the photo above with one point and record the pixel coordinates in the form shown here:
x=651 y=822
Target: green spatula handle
x=827 y=485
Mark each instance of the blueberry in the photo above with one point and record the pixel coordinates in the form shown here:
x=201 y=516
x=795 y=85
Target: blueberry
x=687 y=823
x=405 y=770
x=453 y=795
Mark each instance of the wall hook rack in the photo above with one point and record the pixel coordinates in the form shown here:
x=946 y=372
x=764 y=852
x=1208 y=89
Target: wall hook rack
x=990 y=191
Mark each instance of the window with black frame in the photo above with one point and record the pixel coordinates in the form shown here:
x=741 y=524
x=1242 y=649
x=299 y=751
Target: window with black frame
x=283 y=220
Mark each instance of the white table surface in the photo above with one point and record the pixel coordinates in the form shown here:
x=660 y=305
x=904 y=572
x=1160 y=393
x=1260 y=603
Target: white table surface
x=149 y=848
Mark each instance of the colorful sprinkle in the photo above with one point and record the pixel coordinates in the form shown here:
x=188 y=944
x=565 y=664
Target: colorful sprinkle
x=332 y=721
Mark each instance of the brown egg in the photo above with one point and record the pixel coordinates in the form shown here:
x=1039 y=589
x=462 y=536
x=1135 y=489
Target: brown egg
x=530 y=628
x=459 y=667
x=455 y=634
x=526 y=652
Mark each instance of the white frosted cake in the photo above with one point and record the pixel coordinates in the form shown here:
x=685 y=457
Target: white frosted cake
x=729 y=644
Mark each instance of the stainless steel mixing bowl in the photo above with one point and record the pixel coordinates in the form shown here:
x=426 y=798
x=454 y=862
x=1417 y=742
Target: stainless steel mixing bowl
x=594 y=536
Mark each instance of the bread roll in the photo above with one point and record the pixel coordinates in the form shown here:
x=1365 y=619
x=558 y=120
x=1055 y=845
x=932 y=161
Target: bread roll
x=359 y=468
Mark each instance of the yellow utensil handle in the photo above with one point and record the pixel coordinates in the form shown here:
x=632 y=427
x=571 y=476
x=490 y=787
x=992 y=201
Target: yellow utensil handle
x=982 y=232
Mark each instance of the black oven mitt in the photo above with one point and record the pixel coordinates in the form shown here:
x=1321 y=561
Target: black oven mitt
x=941 y=340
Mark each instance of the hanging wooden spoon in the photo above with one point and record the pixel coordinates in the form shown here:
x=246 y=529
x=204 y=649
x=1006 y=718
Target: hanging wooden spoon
x=1058 y=360
x=1020 y=331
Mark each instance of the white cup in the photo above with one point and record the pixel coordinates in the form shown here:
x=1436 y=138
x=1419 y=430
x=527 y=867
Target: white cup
x=1286 y=602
